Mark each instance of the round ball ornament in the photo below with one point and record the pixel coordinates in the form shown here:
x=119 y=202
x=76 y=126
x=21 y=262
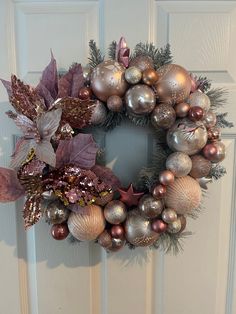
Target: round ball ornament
x=187 y=136
x=88 y=226
x=169 y=215
x=105 y=239
x=150 y=76
x=220 y=152
x=195 y=113
x=133 y=75
x=163 y=116
x=183 y=221
x=199 y=99
x=210 y=151
x=150 y=207
x=60 y=231
x=175 y=226
x=182 y=109
x=184 y=195
x=159 y=226
x=166 y=177
x=99 y=113
x=209 y=119
x=213 y=134
x=179 y=164
x=115 y=212
x=142 y=63
x=138 y=230
x=107 y=79
x=56 y=212
x=200 y=166
x=85 y=93
x=115 y=103
x=140 y=100
x=159 y=191
x=174 y=84
x=117 y=231
x=116 y=244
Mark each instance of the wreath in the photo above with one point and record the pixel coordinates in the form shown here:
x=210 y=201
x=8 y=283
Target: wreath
x=60 y=170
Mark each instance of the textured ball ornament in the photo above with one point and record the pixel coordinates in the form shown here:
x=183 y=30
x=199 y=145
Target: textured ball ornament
x=183 y=195
x=85 y=93
x=159 y=191
x=142 y=63
x=220 y=152
x=169 y=215
x=150 y=76
x=150 y=207
x=200 y=167
x=140 y=100
x=182 y=109
x=87 y=227
x=179 y=164
x=107 y=79
x=56 y=212
x=199 y=99
x=138 y=230
x=117 y=231
x=166 y=177
x=175 y=226
x=195 y=113
x=60 y=231
x=99 y=113
x=187 y=136
x=209 y=151
x=163 y=116
x=209 y=119
x=159 y=226
x=174 y=84
x=133 y=75
x=105 y=240
x=213 y=134
x=115 y=103
x=115 y=212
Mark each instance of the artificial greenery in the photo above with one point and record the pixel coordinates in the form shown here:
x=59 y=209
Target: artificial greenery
x=96 y=56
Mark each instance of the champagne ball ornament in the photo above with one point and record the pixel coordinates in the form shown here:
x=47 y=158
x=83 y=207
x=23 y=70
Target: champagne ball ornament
x=150 y=207
x=99 y=113
x=182 y=109
x=209 y=119
x=87 y=227
x=150 y=76
x=213 y=134
x=187 y=136
x=133 y=75
x=107 y=79
x=140 y=100
x=159 y=191
x=174 y=84
x=179 y=164
x=142 y=63
x=200 y=167
x=169 y=215
x=56 y=212
x=105 y=239
x=60 y=231
x=115 y=212
x=199 y=99
x=138 y=230
x=115 y=103
x=184 y=195
x=163 y=116
x=175 y=226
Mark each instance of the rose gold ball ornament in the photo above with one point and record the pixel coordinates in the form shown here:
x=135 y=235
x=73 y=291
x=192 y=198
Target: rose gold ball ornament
x=117 y=231
x=138 y=230
x=175 y=226
x=149 y=206
x=115 y=103
x=142 y=63
x=60 y=231
x=187 y=136
x=209 y=119
x=104 y=239
x=150 y=76
x=163 y=116
x=115 y=212
x=183 y=221
x=159 y=226
x=166 y=177
x=183 y=195
x=169 y=215
x=182 y=109
x=133 y=75
x=99 y=113
x=159 y=191
x=116 y=244
x=195 y=113
x=89 y=226
x=220 y=152
x=179 y=164
x=174 y=84
x=213 y=134
x=56 y=212
x=210 y=151
x=140 y=100
x=200 y=167
x=85 y=93
x=107 y=79
x=199 y=99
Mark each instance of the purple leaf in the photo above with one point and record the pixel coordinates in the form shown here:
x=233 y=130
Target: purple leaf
x=45 y=94
x=45 y=152
x=107 y=176
x=21 y=152
x=10 y=187
x=80 y=151
x=7 y=85
x=27 y=126
x=48 y=123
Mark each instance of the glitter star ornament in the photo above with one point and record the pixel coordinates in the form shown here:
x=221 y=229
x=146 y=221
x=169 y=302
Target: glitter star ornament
x=129 y=196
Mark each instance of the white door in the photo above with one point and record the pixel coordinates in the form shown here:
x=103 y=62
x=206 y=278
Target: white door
x=41 y=276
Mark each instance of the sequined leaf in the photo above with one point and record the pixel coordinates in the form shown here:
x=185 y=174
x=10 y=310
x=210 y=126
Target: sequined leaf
x=32 y=211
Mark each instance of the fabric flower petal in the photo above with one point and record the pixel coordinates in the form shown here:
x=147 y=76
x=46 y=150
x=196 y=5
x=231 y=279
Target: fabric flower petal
x=21 y=153
x=45 y=152
x=10 y=187
x=48 y=123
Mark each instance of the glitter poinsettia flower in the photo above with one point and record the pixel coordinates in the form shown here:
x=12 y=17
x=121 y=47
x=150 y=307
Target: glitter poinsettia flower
x=37 y=137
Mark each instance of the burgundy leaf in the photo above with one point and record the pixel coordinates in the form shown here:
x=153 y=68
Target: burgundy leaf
x=45 y=94
x=7 y=85
x=10 y=187
x=107 y=176
x=80 y=151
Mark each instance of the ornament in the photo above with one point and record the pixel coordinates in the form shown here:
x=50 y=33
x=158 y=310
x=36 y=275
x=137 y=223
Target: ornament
x=60 y=231
x=195 y=113
x=199 y=99
x=175 y=226
x=183 y=195
x=183 y=223
x=133 y=75
x=107 y=79
x=87 y=226
x=213 y=134
x=138 y=230
x=49 y=195
x=115 y=212
x=163 y=116
x=104 y=239
x=203 y=182
x=209 y=119
x=159 y=226
x=142 y=63
x=174 y=84
x=169 y=215
x=194 y=84
x=99 y=113
x=129 y=196
x=115 y=103
x=56 y=213
x=122 y=52
x=159 y=191
x=179 y=164
x=220 y=152
x=116 y=244
x=210 y=151
x=200 y=166
x=140 y=100
x=166 y=177
x=85 y=93
x=104 y=198
x=187 y=136
x=150 y=207
x=87 y=73
x=150 y=76
x=117 y=232
x=182 y=109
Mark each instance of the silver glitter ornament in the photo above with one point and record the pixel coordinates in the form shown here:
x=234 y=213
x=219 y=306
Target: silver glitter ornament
x=115 y=212
x=199 y=99
x=179 y=163
x=169 y=215
x=99 y=113
x=150 y=207
x=163 y=116
x=175 y=226
x=56 y=213
x=133 y=75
